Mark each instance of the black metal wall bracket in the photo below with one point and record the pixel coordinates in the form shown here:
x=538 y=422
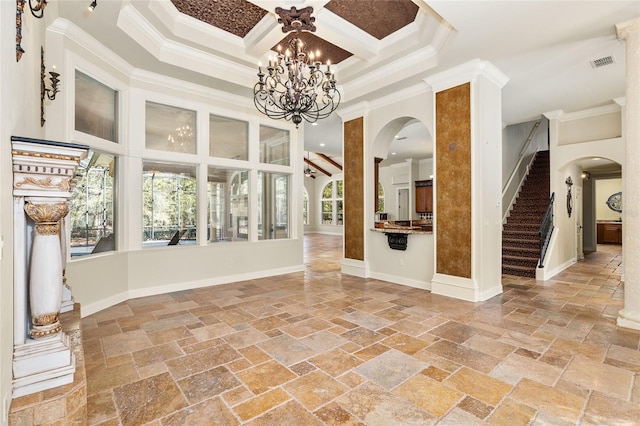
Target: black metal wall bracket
x=397 y=241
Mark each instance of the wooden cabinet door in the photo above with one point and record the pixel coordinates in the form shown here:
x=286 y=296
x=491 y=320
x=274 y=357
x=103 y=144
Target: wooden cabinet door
x=424 y=196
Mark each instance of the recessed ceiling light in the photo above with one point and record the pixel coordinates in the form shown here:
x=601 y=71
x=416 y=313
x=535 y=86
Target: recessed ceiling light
x=321 y=144
x=393 y=153
x=314 y=124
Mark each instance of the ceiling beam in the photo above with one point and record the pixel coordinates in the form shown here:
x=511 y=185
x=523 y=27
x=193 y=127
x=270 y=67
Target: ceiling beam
x=329 y=160
x=315 y=166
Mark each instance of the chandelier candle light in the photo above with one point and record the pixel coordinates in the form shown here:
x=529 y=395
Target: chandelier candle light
x=294 y=86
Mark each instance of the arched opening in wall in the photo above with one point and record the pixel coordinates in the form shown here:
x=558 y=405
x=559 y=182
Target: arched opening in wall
x=403 y=157
x=599 y=216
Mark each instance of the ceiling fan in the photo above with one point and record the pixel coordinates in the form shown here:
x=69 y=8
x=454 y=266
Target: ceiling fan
x=307 y=171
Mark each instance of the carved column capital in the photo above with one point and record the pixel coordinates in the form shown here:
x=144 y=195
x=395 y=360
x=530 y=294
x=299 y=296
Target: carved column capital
x=47 y=216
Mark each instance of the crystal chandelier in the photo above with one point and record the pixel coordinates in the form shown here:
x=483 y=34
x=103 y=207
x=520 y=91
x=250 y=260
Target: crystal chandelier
x=294 y=86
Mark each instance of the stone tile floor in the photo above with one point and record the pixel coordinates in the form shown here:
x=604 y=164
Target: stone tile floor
x=319 y=347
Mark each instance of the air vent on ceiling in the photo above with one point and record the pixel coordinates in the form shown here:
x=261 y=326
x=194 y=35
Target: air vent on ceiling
x=601 y=62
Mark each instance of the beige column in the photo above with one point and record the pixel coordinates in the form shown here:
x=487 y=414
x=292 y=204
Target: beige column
x=630 y=316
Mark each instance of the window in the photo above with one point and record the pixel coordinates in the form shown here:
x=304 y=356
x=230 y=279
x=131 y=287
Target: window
x=305 y=207
x=274 y=146
x=228 y=138
x=228 y=205
x=332 y=203
x=273 y=206
x=96 y=108
x=169 y=204
x=169 y=128
x=380 y=197
x=92 y=206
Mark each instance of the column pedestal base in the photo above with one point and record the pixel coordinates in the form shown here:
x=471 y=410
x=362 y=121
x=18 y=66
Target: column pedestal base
x=42 y=364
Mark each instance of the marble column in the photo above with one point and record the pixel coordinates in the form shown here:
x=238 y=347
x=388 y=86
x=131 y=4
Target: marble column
x=630 y=316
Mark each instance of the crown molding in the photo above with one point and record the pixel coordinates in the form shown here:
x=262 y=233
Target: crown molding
x=74 y=33
x=628 y=28
x=466 y=72
x=354 y=111
x=133 y=23
x=591 y=112
x=401 y=95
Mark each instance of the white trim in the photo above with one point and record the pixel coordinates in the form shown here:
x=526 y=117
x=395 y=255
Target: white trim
x=588 y=113
x=400 y=95
x=543 y=274
x=358 y=268
x=354 y=111
x=466 y=72
x=187 y=285
x=424 y=285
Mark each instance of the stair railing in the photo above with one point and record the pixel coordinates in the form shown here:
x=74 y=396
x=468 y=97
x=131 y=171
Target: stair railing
x=519 y=173
x=546 y=229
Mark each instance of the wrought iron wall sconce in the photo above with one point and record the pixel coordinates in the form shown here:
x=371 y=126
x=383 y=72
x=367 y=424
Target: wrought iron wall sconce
x=47 y=90
x=37 y=10
x=569 y=183
x=93 y=5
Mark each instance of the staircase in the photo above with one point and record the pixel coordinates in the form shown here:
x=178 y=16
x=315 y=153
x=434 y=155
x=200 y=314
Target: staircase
x=521 y=235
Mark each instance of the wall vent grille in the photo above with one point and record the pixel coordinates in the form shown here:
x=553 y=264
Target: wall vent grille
x=601 y=62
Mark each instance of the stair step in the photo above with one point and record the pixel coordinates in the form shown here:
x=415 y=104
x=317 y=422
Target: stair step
x=519 y=271
x=525 y=252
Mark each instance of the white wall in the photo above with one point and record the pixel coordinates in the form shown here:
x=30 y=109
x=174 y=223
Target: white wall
x=19 y=116
x=314 y=188
x=604 y=189
x=563 y=161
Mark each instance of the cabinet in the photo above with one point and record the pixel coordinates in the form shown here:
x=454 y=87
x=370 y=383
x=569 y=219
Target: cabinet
x=424 y=196
x=609 y=233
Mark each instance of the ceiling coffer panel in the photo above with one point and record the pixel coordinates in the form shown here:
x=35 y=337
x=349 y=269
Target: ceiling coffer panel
x=379 y=18
x=328 y=51
x=235 y=16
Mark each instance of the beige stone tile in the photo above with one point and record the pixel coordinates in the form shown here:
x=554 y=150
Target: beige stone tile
x=148 y=399
x=478 y=385
x=511 y=413
x=254 y=354
x=233 y=317
x=362 y=336
x=201 y=415
x=123 y=343
x=351 y=379
x=157 y=354
x=475 y=407
x=464 y=355
x=557 y=403
x=335 y=362
x=324 y=340
x=286 y=350
x=237 y=395
x=371 y=351
x=244 y=338
x=268 y=323
x=261 y=404
x=604 y=378
x=201 y=361
x=110 y=377
x=454 y=331
x=265 y=376
x=334 y=415
x=315 y=389
x=374 y=406
x=429 y=395
x=169 y=335
x=404 y=343
x=514 y=367
x=489 y=346
x=288 y=414
x=206 y=384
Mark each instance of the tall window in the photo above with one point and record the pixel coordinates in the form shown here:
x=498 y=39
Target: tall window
x=96 y=108
x=228 y=205
x=169 y=204
x=332 y=203
x=273 y=206
x=380 y=197
x=92 y=206
x=305 y=207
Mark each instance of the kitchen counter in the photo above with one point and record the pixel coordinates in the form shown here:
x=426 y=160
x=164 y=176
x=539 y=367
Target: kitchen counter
x=404 y=227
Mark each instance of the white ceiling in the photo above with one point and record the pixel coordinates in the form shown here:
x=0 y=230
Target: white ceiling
x=544 y=47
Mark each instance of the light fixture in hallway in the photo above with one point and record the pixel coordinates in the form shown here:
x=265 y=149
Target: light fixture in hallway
x=294 y=86
x=47 y=89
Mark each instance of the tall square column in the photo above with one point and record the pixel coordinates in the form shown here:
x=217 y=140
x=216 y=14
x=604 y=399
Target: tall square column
x=468 y=181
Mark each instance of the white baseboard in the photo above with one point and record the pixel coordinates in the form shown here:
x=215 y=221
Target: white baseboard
x=187 y=285
x=462 y=288
x=353 y=267
x=543 y=274
x=425 y=285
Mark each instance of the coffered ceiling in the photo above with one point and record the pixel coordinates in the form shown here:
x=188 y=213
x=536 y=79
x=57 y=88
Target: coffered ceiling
x=380 y=47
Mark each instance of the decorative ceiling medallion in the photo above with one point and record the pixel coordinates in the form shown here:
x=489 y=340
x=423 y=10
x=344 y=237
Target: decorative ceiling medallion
x=379 y=18
x=237 y=17
x=296 y=20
